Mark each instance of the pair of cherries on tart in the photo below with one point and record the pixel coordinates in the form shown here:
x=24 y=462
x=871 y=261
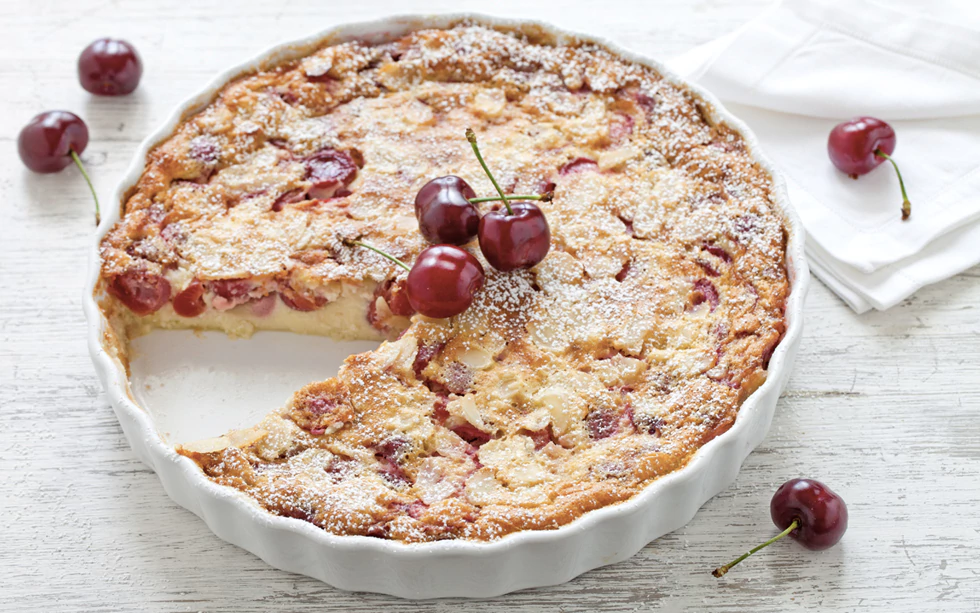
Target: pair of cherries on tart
x=445 y=277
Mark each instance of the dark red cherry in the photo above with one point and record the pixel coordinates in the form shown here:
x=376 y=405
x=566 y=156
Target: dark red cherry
x=445 y=213
x=443 y=281
x=110 y=67
x=821 y=514
x=518 y=240
x=853 y=145
x=858 y=146
x=515 y=236
x=53 y=140
x=808 y=512
x=46 y=142
x=142 y=292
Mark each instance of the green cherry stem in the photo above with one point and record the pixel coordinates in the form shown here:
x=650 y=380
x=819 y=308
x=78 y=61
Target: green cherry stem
x=81 y=167
x=543 y=197
x=471 y=136
x=381 y=253
x=906 y=205
x=721 y=570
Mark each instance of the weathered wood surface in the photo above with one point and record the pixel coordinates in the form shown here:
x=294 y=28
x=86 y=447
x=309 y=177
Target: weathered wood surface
x=884 y=407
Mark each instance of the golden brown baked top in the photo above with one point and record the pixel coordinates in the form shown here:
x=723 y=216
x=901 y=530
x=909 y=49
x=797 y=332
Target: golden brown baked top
x=563 y=388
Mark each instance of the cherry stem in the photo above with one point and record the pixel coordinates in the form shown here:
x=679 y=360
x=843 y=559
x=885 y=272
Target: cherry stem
x=471 y=136
x=381 y=253
x=721 y=570
x=81 y=167
x=543 y=197
x=906 y=205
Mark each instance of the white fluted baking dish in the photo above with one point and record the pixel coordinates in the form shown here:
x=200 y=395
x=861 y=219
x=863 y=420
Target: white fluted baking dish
x=447 y=568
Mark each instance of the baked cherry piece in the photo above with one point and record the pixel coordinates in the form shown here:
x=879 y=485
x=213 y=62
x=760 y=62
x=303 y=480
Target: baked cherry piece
x=298 y=301
x=329 y=171
x=189 y=302
x=858 y=146
x=578 y=165
x=142 y=292
x=109 y=67
x=516 y=236
x=53 y=140
x=443 y=280
x=808 y=512
x=445 y=213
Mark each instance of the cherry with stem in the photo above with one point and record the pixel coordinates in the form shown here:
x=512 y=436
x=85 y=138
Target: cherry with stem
x=808 y=512
x=517 y=236
x=52 y=141
x=445 y=213
x=858 y=146
x=442 y=282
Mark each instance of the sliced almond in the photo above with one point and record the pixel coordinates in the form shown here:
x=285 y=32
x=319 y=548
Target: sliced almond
x=618 y=370
x=235 y=438
x=207 y=445
x=476 y=358
x=466 y=408
x=536 y=420
x=482 y=488
x=489 y=103
x=562 y=407
x=609 y=160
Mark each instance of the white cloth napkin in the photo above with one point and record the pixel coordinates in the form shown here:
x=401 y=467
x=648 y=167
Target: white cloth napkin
x=805 y=65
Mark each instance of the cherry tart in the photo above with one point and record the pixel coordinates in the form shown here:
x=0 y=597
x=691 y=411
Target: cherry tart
x=560 y=379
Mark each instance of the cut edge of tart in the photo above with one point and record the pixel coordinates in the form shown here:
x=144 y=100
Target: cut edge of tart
x=563 y=389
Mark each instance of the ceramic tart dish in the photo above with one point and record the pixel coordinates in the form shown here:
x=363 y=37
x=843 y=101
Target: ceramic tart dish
x=575 y=412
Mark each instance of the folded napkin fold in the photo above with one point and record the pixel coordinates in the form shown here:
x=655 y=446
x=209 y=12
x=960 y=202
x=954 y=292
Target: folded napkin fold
x=805 y=65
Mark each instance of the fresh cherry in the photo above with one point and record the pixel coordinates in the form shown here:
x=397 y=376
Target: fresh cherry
x=806 y=511
x=821 y=514
x=516 y=236
x=519 y=238
x=445 y=213
x=858 y=146
x=443 y=280
x=109 y=67
x=47 y=142
x=53 y=140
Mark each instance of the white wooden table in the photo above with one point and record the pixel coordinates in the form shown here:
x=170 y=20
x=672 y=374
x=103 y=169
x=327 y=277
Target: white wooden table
x=884 y=407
